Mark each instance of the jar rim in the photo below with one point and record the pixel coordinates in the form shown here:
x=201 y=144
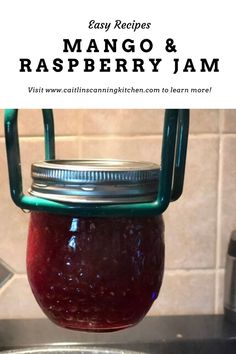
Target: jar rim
x=95 y=180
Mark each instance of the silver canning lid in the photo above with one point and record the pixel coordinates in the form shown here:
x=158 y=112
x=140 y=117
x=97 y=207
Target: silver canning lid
x=95 y=181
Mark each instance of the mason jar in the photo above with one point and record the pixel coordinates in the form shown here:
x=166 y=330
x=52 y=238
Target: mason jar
x=95 y=273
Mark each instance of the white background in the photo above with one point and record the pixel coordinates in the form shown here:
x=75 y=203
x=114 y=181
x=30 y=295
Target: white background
x=200 y=29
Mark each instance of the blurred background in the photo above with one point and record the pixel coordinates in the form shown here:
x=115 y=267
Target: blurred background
x=198 y=225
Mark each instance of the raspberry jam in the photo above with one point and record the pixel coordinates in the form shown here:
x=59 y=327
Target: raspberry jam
x=95 y=274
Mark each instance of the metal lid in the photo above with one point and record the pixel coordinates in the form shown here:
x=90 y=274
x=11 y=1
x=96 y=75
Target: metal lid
x=95 y=181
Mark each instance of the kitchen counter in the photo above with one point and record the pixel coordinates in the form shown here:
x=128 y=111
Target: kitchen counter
x=171 y=334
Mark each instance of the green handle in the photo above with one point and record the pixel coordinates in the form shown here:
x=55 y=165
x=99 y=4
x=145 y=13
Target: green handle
x=49 y=134
x=180 y=154
x=173 y=157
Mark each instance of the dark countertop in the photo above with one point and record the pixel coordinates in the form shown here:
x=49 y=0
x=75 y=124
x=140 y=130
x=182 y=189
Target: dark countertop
x=166 y=334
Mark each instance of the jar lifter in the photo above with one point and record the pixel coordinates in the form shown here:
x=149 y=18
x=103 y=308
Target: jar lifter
x=171 y=178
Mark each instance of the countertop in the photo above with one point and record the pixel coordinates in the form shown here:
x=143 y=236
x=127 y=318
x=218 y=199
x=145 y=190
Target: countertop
x=166 y=334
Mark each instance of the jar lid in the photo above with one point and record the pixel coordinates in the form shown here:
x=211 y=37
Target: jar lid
x=95 y=181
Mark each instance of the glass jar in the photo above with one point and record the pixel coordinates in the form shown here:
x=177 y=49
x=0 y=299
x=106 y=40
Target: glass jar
x=95 y=273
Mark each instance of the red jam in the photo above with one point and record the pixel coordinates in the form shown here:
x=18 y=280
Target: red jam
x=95 y=274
